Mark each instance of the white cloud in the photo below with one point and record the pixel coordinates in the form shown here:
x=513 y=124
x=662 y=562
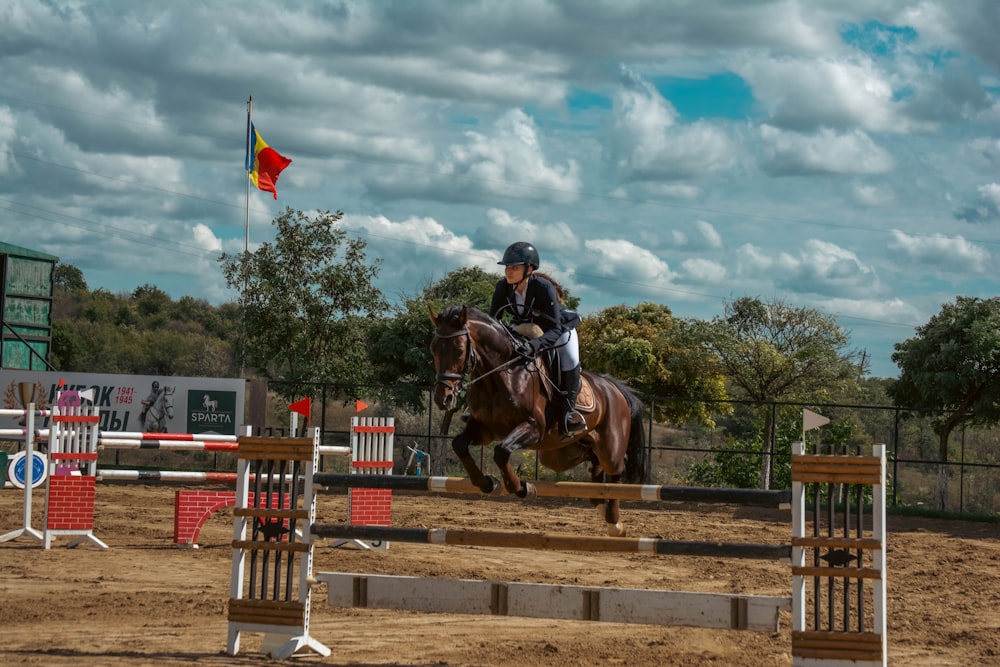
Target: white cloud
x=620 y=267
x=8 y=132
x=502 y=229
x=205 y=238
x=870 y=196
x=704 y=271
x=946 y=254
x=817 y=267
x=648 y=144
x=509 y=162
x=805 y=94
x=824 y=152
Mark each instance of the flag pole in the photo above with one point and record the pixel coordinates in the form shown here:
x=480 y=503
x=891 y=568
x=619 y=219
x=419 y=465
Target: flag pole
x=246 y=219
x=246 y=242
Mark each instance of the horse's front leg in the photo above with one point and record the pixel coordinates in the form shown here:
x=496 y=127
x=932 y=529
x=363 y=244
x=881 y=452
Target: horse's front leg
x=524 y=435
x=472 y=434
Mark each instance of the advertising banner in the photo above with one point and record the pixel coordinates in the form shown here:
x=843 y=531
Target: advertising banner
x=146 y=403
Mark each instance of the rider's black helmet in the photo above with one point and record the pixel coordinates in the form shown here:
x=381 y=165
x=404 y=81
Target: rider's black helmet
x=520 y=253
x=156 y=385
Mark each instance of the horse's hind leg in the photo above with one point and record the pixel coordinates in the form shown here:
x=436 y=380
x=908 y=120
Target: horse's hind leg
x=607 y=509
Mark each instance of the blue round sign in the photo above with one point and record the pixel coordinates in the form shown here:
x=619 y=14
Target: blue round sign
x=18 y=463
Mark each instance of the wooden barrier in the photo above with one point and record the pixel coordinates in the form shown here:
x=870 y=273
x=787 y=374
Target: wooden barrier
x=267 y=594
x=551 y=542
x=641 y=492
x=579 y=603
x=829 y=621
x=830 y=624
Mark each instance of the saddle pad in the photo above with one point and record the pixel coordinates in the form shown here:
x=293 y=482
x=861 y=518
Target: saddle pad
x=585 y=400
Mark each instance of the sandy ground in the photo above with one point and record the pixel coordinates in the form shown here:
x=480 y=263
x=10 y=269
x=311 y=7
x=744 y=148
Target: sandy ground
x=145 y=602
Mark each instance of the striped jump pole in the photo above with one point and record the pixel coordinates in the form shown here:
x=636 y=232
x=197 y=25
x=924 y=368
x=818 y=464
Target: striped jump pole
x=546 y=541
x=640 y=492
x=196 y=444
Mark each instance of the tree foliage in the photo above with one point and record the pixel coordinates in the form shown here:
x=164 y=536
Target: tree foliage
x=143 y=333
x=657 y=355
x=308 y=300
x=952 y=368
x=772 y=351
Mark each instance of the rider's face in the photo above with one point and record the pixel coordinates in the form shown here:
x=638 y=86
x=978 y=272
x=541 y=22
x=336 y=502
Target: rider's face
x=515 y=273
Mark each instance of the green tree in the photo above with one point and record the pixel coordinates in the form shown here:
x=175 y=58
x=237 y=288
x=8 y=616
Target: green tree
x=69 y=278
x=658 y=355
x=308 y=300
x=952 y=368
x=773 y=351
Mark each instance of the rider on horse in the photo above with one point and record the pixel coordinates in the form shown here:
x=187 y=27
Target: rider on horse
x=530 y=297
x=149 y=401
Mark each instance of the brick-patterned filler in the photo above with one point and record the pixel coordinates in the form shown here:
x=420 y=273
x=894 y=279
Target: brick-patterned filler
x=192 y=509
x=370 y=507
x=71 y=502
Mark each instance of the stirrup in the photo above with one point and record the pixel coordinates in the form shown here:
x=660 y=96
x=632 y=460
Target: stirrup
x=573 y=423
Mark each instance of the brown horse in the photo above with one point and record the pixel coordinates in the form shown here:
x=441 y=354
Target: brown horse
x=512 y=399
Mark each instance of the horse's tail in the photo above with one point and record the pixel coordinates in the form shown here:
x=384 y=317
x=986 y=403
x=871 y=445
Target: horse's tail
x=635 y=454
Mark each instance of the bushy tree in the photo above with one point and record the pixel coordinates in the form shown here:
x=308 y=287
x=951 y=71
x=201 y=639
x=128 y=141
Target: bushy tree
x=308 y=300
x=656 y=354
x=773 y=351
x=951 y=369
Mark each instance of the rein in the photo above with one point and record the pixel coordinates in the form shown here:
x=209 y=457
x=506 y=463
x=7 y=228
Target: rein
x=469 y=364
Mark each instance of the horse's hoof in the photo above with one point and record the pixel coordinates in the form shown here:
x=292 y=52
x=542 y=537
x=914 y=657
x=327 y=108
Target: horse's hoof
x=616 y=529
x=527 y=492
x=494 y=488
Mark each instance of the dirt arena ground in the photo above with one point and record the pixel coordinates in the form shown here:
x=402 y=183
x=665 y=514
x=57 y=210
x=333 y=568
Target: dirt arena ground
x=145 y=602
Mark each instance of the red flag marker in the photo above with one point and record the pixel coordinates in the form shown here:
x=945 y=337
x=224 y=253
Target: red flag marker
x=302 y=407
x=359 y=405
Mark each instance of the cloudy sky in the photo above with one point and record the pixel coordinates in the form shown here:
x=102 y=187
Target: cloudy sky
x=840 y=155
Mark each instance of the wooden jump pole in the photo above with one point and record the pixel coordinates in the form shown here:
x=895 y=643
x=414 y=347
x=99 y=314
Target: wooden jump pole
x=545 y=541
x=641 y=492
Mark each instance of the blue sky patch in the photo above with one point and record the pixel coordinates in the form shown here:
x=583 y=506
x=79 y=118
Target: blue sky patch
x=718 y=96
x=877 y=39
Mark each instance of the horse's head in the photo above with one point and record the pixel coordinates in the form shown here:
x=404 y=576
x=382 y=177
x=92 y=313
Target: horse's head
x=453 y=352
x=166 y=398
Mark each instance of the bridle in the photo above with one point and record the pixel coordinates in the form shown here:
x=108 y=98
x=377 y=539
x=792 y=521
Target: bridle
x=448 y=379
x=454 y=381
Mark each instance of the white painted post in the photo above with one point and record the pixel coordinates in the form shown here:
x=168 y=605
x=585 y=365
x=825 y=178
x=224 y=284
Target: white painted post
x=29 y=460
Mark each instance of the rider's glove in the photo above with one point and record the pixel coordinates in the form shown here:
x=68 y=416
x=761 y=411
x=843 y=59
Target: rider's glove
x=529 y=348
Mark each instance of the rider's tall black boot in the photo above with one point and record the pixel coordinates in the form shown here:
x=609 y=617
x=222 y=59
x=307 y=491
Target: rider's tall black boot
x=572 y=421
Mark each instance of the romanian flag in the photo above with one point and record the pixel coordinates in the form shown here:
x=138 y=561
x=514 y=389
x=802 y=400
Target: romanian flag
x=264 y=164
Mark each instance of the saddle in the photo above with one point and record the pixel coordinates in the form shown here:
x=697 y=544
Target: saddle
x=585 y=401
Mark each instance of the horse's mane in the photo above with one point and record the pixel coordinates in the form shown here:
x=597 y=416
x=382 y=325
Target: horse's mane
x=452 y=315
x=559 y=289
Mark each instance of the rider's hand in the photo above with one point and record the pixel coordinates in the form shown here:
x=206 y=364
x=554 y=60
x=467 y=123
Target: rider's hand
x=528 y=348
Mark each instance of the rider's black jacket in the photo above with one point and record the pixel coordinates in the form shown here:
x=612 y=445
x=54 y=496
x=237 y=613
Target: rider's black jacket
x=541 y=307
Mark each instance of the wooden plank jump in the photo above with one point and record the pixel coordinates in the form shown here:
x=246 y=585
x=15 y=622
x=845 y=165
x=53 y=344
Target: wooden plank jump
x=641 y=492
x=839 y=620
x=579 y=603
x=547 y=541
